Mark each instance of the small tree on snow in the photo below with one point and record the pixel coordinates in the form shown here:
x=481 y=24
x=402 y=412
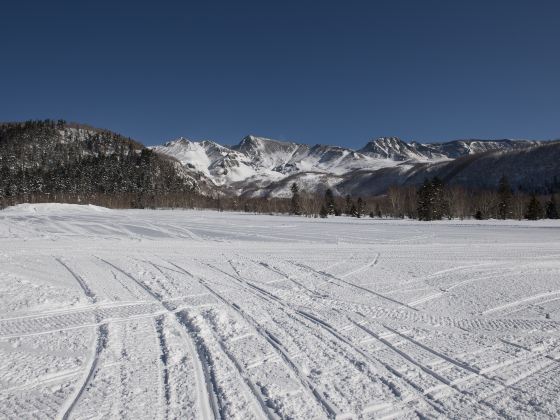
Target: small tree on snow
x=534 y=209
x=505 y=197
x=551 y=209
x=360 y=207
x=329 y=202
x=349 y=205
x=296 y=201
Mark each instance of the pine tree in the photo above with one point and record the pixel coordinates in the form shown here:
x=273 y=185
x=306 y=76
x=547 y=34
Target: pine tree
x=349 y=205
x=360 y=207
x=295 y=204
x=324 y=213
x=551 y=208
x=534 y=209
x=423 y=202
x=354 y=211
x=329 y=202
x=505 y=196
x=431 y=203
x=440 y=207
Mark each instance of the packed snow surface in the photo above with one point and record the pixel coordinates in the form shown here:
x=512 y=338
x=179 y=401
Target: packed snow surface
x=198 y=314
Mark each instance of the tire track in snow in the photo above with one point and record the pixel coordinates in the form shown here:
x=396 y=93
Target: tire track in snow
x=365 y=289
x=35 y=324
x=29 y=325
x=326 y=326
x=269 y=297
x=84 y=286
x=101 y=306
x=436 y=353
x=362 y=268
x=252 y=387
x=101 y=336
x=521 y=301
x=319 y=322
x=204 y=357
x=444 y=381
x=205 y=384
x=164 y=357
x=281 y=273
x=419 y=394
x=101 y=343
x=272 y=340
x=466 y=324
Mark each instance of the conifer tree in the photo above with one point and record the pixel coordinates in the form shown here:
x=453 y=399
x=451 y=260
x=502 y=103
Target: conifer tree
x=534 y=209
x=360 y=207
x=551 y=208
x=440 y=207
x=505 y=196
x=329 y=202
x=349 y=205
x=324 y=213
x=423 y=203
x=431 y=203
x=296 y=201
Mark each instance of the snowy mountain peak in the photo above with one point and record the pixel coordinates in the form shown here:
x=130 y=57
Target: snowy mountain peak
x=392 y=148
x=253 y=144
x=257 y=162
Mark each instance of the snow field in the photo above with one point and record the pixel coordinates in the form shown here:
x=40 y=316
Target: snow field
x=198 y=314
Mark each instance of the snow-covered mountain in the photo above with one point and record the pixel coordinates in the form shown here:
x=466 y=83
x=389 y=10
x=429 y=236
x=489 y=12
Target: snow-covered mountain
x=99 y=161
x=458 y=148
x=261 y=160
x=262 y=166
x=396 y=149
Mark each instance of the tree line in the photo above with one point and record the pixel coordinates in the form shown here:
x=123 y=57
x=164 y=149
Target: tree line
x=432 y=200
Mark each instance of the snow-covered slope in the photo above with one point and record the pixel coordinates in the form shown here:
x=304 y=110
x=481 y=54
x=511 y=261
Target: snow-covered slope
x=271 y=154
x=458 y=148
x=219 y=163
x=155 y=314
x=394 y=148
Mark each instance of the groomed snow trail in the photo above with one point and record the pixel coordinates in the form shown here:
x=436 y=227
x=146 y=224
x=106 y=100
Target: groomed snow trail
x=198 y=314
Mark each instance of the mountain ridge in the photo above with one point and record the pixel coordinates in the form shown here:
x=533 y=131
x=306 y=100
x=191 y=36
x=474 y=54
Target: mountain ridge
x=42 y=157
x=258 y=165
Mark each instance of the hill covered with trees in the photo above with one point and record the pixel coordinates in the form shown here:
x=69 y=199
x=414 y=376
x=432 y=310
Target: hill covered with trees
x=55 y=161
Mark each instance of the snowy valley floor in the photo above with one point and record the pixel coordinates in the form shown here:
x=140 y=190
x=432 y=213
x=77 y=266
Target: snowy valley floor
x=197 y=314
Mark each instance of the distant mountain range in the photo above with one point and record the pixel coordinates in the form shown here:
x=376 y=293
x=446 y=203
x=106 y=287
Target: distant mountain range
x=259 y=166
x=44 y=157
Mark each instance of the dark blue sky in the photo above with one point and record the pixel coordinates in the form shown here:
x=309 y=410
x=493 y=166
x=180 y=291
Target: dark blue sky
x=313 y=71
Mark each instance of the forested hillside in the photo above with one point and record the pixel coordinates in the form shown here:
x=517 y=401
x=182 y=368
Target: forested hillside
x=56 y=161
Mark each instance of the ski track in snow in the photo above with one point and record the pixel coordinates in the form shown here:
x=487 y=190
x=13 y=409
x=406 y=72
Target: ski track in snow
x=198 y=314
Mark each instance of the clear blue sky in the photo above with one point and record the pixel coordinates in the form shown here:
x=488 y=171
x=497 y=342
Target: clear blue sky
x=333 y=72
